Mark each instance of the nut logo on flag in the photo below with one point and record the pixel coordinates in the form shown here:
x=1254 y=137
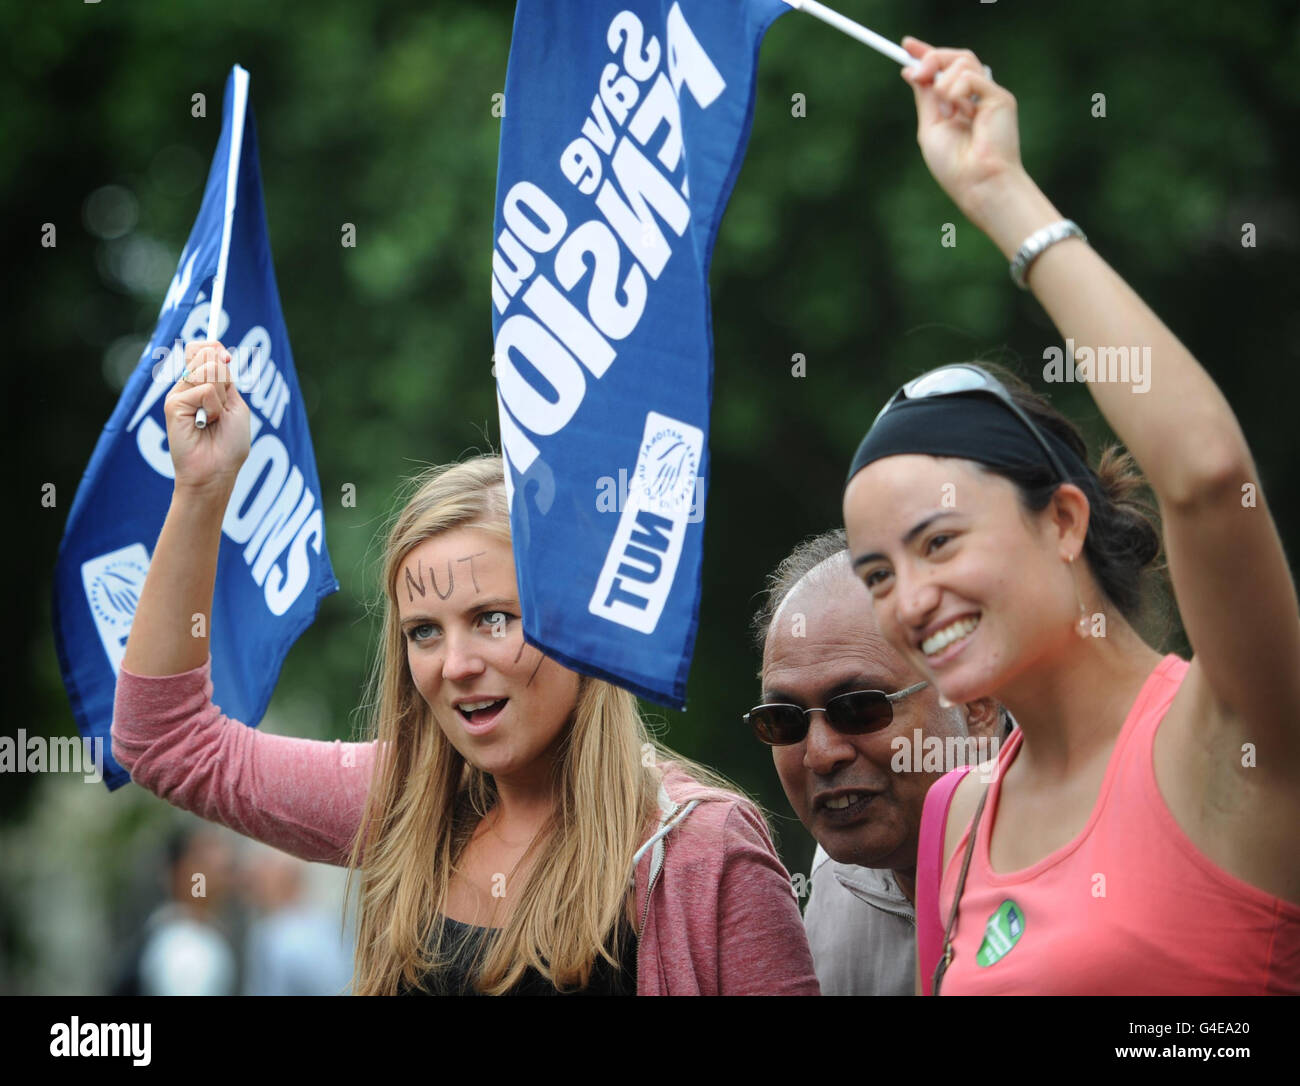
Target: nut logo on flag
x=642 y=561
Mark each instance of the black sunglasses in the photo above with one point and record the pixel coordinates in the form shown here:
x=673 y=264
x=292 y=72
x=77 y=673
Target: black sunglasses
x=964 y=379
x=859 y=712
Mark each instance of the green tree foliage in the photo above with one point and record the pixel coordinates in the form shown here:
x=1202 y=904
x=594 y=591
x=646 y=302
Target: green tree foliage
x=380 y=115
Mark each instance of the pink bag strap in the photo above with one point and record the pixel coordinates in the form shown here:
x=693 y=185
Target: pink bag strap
x=929 y=858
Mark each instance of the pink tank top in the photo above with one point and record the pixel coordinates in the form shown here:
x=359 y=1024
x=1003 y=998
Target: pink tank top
x=1129 y=907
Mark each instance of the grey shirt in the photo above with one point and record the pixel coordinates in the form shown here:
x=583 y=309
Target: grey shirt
x=862 y=930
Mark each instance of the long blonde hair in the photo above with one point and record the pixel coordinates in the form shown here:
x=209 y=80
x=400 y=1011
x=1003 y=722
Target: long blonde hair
x=425 y=799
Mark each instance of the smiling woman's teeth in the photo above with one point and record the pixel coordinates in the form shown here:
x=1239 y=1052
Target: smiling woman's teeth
x=472 y=706
x=948 y=635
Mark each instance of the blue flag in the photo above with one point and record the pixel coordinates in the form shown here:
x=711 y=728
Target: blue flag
x=273 y=565
x=624 y=129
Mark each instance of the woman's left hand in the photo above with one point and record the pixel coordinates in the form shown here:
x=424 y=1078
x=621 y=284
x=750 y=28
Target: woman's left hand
x=971 y=145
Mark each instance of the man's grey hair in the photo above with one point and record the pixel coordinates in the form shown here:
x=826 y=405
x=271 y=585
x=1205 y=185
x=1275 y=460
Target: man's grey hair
x=812 y=552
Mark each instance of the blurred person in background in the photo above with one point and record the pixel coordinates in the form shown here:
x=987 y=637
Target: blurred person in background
x=293 y=945
x=185 y=948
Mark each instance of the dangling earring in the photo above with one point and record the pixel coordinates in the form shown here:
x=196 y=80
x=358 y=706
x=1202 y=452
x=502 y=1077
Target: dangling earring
x=1082 y=627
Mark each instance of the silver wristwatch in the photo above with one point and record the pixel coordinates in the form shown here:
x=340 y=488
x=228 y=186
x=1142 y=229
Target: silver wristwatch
x=1039 y=241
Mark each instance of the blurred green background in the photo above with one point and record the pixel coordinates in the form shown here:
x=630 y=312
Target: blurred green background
x=381 y=115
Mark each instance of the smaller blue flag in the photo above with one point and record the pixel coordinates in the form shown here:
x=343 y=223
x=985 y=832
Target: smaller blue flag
x=624 y=130
x=274 y=567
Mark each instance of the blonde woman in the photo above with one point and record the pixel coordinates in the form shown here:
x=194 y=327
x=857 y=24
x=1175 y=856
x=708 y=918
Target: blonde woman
x=514 y=827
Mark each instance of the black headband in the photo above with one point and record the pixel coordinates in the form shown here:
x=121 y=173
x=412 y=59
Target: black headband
x=970 y=426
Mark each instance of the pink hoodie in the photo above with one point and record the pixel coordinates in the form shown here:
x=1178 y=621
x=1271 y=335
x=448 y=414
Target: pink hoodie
x=720 y=919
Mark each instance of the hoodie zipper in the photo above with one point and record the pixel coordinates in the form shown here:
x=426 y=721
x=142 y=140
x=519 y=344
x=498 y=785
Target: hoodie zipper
x=645 y=913
x=670 y=821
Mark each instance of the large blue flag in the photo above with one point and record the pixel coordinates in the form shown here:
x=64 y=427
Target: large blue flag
x=273 y=566
x=625 y=126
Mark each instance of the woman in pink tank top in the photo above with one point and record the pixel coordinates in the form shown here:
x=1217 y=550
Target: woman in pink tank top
x=1139 y=833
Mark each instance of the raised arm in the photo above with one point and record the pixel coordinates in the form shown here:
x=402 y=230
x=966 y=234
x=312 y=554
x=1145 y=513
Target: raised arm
x=183 y=569
x=302 y=796
x=1230 y=576
x=299 y=795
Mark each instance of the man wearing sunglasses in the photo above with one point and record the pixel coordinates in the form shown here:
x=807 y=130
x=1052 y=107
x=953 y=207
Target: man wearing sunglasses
x=835 y=698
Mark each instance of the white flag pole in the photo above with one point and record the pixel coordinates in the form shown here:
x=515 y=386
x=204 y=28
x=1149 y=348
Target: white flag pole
x=239 y=106
x=855 y=30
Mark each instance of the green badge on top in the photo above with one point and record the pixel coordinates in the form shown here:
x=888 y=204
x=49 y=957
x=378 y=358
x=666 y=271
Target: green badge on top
x=1001 y=933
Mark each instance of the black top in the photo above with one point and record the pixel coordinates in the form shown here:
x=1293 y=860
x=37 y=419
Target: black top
x=464 y=941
